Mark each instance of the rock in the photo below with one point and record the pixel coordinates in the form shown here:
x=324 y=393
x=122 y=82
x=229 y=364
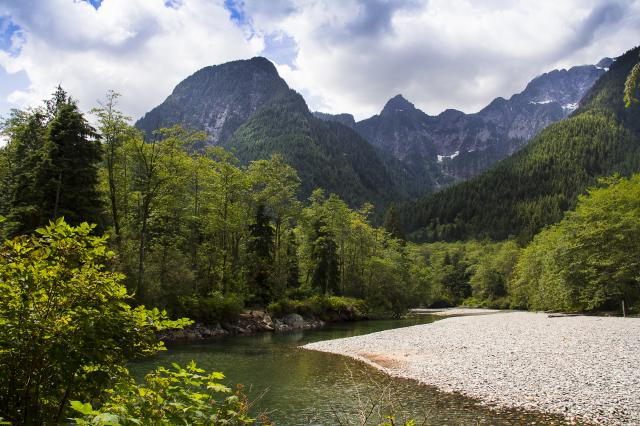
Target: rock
x=295 y=321
x=279 y=325
x=267 y=323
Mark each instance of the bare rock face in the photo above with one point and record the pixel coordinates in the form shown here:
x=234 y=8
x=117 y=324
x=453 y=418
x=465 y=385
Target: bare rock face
x=218 y=99
x=462 y=145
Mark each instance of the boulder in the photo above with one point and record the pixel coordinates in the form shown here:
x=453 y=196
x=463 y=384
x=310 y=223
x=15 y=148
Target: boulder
x=295 y=321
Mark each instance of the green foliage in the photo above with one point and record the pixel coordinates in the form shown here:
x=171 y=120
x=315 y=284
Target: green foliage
x=392 y=223
x=260 y=248
x=631 y=86
x=325 y=276
x=588 y=261
x=342 y=254
x=210 y=309
x=471 y=273
x=66 y=329
x=323 y=307
x=183 y=395
x=51 y=159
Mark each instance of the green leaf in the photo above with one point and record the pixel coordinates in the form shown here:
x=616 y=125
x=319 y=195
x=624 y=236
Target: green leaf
x=83 y=408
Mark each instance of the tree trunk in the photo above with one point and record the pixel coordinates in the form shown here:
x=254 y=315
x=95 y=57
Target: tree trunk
x=57 y=201
x=143 y=233
x=112 y=192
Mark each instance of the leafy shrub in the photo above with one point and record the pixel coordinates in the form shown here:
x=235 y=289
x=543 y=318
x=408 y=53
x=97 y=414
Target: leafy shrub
x=210 y=309
x=498 y=303
x=66 y=329
x=323 y=307
x=169 y=397
x=588 y=261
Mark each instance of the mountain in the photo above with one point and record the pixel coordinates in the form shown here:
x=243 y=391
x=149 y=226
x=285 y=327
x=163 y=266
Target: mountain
x=531 y=189
x=462 y=145
x=346 y=119
x=245 y=107
x=218 y=99
x=326 y=154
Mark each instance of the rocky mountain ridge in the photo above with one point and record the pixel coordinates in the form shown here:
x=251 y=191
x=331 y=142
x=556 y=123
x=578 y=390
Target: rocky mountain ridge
x=462 y=145
x=246 y=107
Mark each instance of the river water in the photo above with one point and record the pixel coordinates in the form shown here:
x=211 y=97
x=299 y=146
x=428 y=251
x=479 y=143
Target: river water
x=300 y=387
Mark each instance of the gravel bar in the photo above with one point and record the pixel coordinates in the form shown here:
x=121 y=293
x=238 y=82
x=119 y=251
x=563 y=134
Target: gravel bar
x=585 y=368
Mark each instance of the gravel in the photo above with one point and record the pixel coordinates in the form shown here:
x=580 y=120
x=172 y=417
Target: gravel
x=450 y=312
x=585 y=368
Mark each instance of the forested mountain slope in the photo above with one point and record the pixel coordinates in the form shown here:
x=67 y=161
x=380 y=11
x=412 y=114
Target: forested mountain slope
x=531 y=189
x=247 y=108
x=326 y=154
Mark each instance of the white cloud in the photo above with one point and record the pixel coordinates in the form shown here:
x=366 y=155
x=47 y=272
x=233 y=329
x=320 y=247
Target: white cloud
x=140 y=48
x=355 y=55
x=343 y=56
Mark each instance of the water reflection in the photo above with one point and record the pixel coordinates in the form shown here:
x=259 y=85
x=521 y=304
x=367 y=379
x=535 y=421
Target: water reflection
x=300 y=387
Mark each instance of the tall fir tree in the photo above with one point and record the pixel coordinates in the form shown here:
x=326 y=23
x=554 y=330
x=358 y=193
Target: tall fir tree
x=54 y=156
x=260 y=248
x=326 y=272
x=24 y=154
x=392 y=223
x=293 y=266
x=69 y=174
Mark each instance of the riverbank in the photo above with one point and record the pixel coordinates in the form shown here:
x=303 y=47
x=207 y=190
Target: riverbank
x=247 y=323
x=453 y=312
x=584 y=368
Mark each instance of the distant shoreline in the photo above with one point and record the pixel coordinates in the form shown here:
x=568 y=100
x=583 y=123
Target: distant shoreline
x=584 y=368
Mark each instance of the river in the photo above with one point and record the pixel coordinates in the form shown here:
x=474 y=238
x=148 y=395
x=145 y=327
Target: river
x=300 y=387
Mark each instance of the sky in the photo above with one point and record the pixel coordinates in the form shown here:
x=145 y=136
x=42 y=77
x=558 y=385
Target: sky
x=342 y=55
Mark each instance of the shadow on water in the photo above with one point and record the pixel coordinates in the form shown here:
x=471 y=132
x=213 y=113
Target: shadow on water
x=300 y=387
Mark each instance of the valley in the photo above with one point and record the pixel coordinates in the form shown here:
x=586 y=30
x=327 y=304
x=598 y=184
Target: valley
x=284 y=238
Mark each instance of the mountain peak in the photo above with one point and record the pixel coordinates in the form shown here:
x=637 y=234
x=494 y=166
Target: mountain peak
x=219 y=98
x=604 y=63
x=397 y=103
x=344 y=118
x=241 y=69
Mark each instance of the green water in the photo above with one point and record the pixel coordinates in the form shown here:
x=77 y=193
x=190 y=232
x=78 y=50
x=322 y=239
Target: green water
x=299 y=387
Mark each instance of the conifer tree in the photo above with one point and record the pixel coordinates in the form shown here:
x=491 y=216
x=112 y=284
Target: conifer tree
x=54 y=154
x=260 y=248
x=326 y=272
x=293 y=267
x=392 y=223
x=69 y=174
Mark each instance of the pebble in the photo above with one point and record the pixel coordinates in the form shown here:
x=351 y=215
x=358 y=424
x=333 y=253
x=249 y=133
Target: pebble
x=584 y=368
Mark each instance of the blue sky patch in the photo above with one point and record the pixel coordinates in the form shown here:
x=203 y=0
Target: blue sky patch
x=236 y=11
x=280 y=48
x=8 y=84
x=7 y=30
x=95 y=3
x=174 y=4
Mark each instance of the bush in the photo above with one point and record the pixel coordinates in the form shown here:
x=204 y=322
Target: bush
x=589 y=260
x=210 y=309
x=323 y=307
x=497 y=303
x=169 y=397
x=66 y=330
